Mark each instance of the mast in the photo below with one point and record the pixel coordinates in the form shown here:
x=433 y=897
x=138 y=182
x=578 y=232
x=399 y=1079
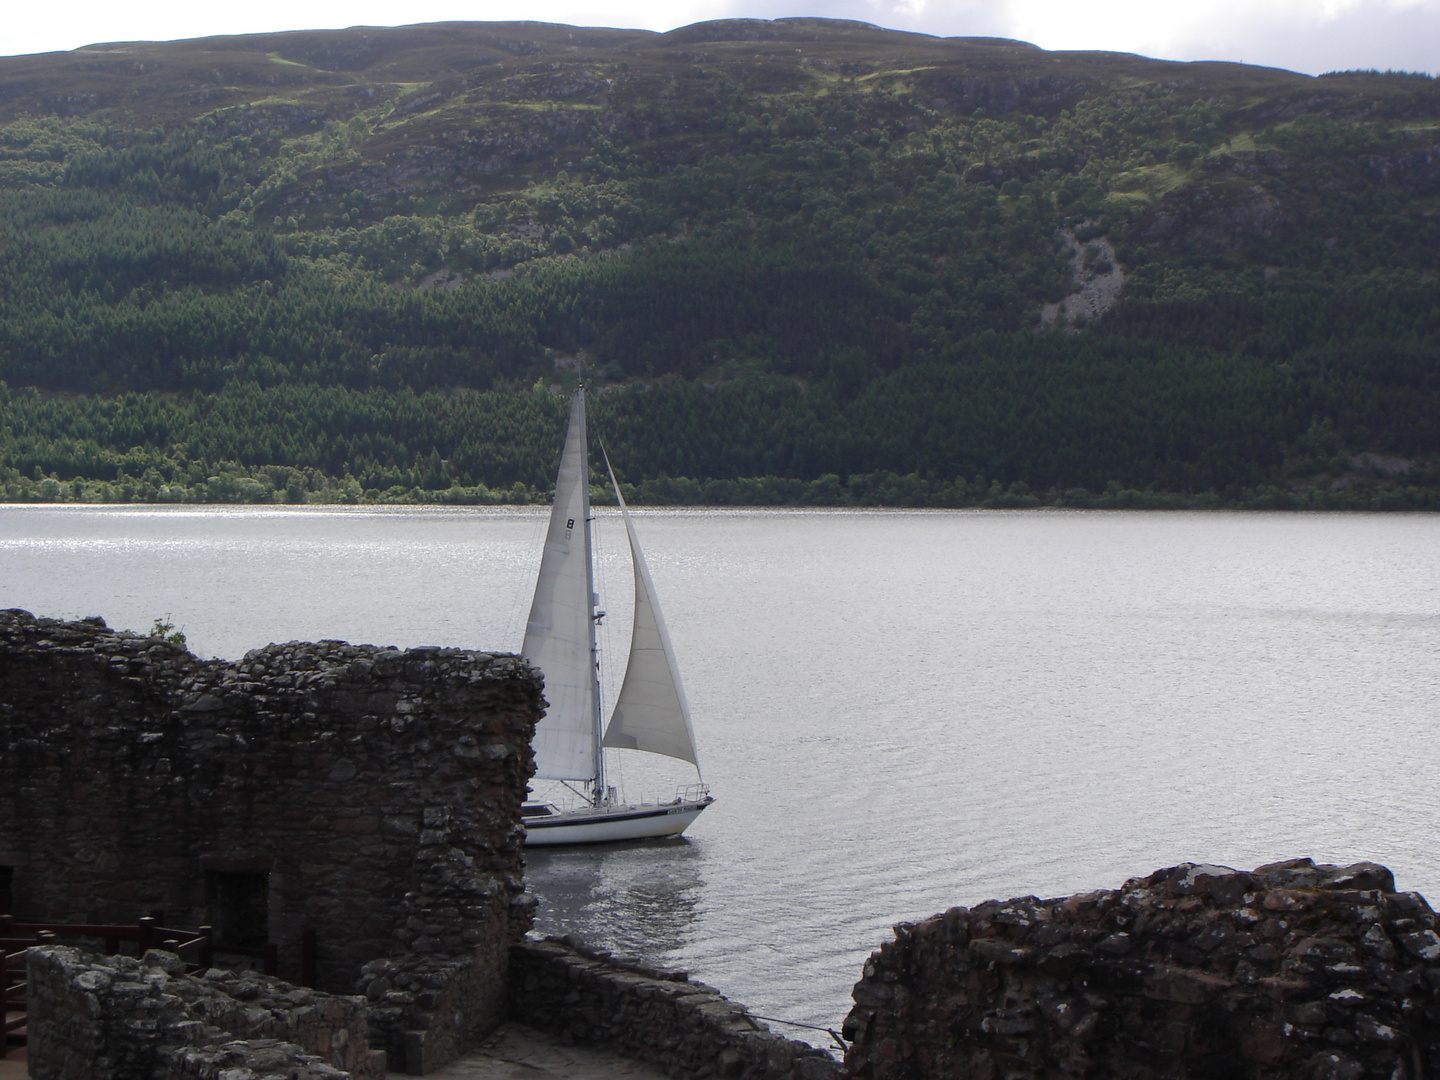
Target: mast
x=597 y=717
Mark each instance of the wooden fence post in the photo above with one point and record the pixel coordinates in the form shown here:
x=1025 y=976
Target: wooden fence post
x=4 y=998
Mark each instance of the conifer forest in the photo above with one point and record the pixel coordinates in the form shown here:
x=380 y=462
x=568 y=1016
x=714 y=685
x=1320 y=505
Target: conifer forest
x=796 y=262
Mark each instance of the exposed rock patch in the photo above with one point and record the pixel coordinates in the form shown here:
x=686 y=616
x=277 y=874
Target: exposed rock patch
x=1383 y=464
x=1099 y=279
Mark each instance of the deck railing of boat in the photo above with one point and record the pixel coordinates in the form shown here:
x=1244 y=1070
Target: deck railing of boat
x=684 y=793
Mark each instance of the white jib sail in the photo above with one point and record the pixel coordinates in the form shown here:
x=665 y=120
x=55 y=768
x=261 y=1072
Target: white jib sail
x=557 y=636
x=651 y=712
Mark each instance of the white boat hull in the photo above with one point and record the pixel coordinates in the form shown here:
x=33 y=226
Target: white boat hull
x=590 y=825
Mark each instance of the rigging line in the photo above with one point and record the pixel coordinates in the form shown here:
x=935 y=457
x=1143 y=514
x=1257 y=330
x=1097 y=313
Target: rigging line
x=610 y=674
x=602 y=588
x=617 y=765
x=571 y=787
x=796 y=1023
x=605 y=643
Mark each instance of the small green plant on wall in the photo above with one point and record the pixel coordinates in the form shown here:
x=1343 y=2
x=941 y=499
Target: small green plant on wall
x=165 y=630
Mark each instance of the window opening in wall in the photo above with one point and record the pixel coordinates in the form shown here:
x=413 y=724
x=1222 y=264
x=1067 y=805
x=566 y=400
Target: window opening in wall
x=7 y=894
x=239 y=906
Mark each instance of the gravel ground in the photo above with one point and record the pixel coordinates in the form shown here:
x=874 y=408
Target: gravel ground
x=516 y=1052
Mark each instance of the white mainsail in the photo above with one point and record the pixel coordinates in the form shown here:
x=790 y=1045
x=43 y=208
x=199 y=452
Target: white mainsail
x=558 y=636
x=651 y=712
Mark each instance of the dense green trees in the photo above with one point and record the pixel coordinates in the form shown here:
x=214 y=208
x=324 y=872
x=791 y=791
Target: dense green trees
x=828 y=293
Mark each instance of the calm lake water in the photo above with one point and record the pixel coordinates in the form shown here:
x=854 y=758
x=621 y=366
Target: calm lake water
x=897 y=711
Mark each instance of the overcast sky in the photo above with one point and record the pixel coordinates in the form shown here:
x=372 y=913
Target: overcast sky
x=1303 y=35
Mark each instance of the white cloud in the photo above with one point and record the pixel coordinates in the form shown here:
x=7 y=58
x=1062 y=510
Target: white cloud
x=1402 y=36
x=1305 y=35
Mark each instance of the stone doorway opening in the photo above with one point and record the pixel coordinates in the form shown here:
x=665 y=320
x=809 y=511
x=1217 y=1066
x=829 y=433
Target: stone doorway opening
x=238 y=906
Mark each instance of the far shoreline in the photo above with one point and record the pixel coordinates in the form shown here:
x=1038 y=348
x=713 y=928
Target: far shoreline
x=1265 y=499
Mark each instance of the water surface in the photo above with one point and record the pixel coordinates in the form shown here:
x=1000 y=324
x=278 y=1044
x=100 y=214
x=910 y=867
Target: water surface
x=897 y=710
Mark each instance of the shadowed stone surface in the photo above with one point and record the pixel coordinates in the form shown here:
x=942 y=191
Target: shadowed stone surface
x=1291 y=970
x=114 y=1018
x=371 y=795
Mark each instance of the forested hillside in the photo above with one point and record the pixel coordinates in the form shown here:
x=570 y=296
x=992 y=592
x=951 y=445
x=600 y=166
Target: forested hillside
x=800 y=261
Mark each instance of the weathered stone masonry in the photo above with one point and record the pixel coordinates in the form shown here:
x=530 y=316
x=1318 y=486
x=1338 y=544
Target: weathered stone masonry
x=372 y=795
x=115 y=1017
x=686 y=1028
x=1292 y=970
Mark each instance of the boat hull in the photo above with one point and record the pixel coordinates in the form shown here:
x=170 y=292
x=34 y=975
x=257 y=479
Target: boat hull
x=607 y=825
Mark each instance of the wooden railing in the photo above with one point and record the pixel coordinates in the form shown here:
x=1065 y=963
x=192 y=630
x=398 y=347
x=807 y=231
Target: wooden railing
x=196 y=947
x=147 y=934
x=12 y=994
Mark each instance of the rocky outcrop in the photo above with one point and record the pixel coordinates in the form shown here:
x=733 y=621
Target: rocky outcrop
x=1415 y=166
x=1290 y=970
x=1220 y=214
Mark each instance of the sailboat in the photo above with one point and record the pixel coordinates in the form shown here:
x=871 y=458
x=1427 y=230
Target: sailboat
x=650 y=713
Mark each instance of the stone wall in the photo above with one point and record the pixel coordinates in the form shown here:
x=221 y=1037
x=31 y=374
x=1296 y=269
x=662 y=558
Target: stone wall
x=372 y=794
x=118 y=1018
x=684 y=1028
x=1290 y=970
x=407 y=995
x=246 y=1059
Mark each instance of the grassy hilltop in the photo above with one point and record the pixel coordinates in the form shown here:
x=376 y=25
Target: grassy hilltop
x=802 y=261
